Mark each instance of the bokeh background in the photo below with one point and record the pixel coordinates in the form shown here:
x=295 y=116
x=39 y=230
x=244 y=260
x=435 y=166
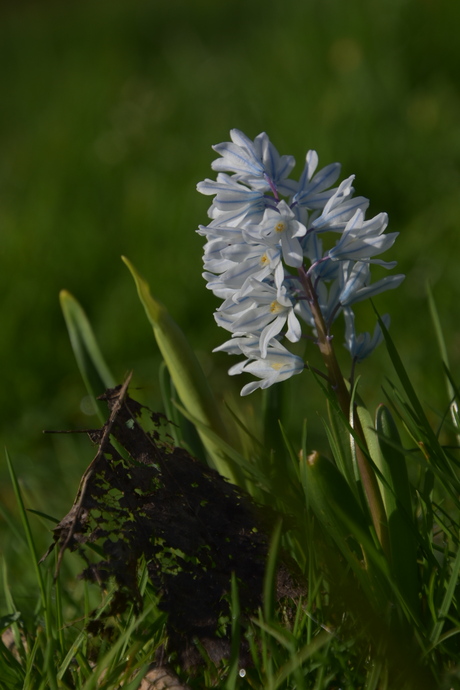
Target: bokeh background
x=108 y=112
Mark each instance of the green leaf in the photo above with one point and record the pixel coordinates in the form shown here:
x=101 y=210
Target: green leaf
x=189 y=380
x=232 y=679
x=45 y=516
x=182 y=430
x=171 y=411
x=447 y=600
x=27 y=530
x=44 y=599
x=340 y=441
x=398 y=505
x=331 y=497
x=418 y=425
x=91 y=363
x=454 y=410
x=270 y=572
x=272 y=413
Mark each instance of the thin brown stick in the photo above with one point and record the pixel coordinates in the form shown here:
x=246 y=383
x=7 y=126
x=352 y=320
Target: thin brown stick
x=75 y=512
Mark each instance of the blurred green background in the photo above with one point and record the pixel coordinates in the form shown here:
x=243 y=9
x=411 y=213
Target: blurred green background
x=108 y=113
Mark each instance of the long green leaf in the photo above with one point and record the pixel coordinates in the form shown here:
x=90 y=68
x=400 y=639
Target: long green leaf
x=398 y=504
x=182 y=430
x=447 y=600
x=270 y=573
x=189 y=380
x=44 y=599
x=420 y=429
x=328 y=491
x=171 y=411
x=94 y=371
x=339 y=439
x=232 y=679
x=454 y=410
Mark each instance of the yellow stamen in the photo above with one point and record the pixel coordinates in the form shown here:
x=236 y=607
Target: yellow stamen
x=280 y=227
x=275 y=307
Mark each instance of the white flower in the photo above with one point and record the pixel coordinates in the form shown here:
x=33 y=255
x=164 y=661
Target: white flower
x=362 y=239
x=232 y=199
x=280 y=225
x=243 y=263
x=256 y=162
x=238 y=156
x=271 y=310
x=311 y=192
x=255 y=237
x=360 y=346
x=247 y=345
x=213 y=259
x=230 y=311
x=339 y=208
x=355 y=283
x=278 y=365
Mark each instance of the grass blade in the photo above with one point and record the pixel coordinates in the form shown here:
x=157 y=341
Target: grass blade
x=447 y=600
x=270 y=573
x=93 y=369
x=231 y=683
x=27 y=531
x=398 y=504
x=454 y=410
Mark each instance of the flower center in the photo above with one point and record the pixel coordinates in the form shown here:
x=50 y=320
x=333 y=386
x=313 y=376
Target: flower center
x=276 y=307
x=264 y=260
x=280 y=227
x=276 y=366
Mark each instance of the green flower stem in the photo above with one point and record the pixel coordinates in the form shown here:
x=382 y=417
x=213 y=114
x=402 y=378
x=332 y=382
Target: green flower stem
x=338 y=385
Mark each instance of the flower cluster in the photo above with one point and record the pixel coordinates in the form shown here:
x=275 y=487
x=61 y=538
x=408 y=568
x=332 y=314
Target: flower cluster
x=264 y=255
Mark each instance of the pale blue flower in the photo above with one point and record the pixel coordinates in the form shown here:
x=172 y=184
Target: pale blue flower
x=269 y=311
x=313 y=190
x=356 y=286
x=256 y=162
x=216 y=230
x=232 y=198
x=246 y=263
x=238 y=345
x=362 y=240
x=231 y=310
x=278 y=365
x=362 y=345
x=212 y=259
x=277 y=168
x=263 y=225
x=339 y=208
x=281 y=224
x=238 y=156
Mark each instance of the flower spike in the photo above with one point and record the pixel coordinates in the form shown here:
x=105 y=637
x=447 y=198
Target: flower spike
x=264 y=257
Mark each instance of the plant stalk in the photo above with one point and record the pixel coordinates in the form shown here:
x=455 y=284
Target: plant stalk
x=338 y=385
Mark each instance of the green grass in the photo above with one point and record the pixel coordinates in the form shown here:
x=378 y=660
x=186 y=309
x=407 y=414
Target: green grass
x=341 y=632
x=367 y=618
